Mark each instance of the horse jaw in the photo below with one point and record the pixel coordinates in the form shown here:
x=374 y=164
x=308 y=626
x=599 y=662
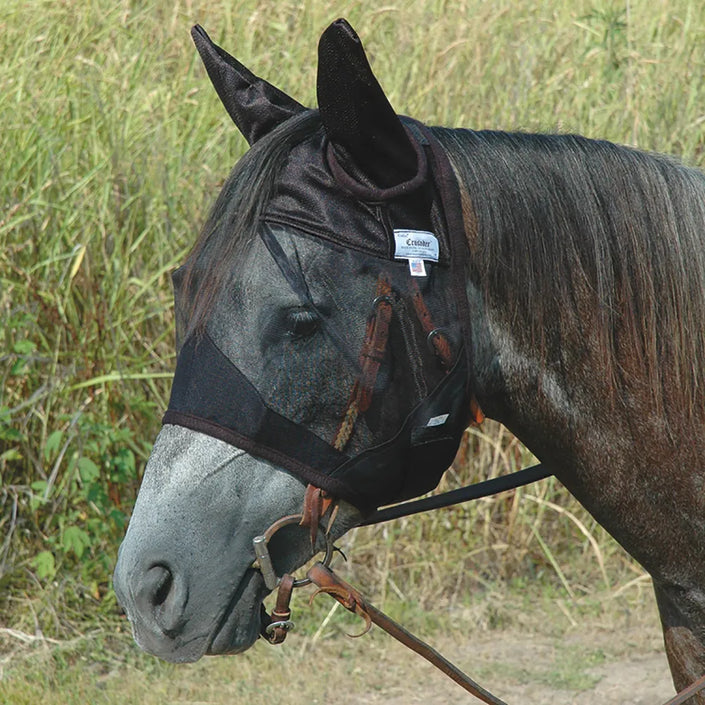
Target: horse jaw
x=184 y=574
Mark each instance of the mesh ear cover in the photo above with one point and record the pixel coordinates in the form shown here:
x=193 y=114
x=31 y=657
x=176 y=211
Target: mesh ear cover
x=254 y=105
x=357 y=117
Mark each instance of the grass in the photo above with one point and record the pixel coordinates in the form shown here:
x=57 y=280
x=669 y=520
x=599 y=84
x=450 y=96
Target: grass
x=107 y=668
x=114 y=144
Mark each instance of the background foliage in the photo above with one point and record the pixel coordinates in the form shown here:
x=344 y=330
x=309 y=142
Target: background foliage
x=113 y=146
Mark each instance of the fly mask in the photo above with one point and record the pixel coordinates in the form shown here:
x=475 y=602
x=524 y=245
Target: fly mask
x=368 y=198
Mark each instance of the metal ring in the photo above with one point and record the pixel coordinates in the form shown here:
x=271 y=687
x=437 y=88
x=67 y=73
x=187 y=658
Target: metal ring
x=264 y=560
x=287 y=625
x=382 y=298
x=301 y=582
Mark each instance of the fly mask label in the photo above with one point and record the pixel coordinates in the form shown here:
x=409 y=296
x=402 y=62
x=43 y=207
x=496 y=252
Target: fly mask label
x=415 y=244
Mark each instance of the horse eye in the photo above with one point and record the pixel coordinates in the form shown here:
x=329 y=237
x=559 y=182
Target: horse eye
x=301 y=323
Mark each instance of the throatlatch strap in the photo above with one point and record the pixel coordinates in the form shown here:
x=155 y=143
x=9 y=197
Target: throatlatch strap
x=463 y=494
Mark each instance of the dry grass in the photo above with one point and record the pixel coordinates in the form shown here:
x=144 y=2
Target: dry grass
x=521 y=645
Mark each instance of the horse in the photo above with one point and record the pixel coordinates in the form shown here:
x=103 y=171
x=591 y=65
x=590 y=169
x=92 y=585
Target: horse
x=365 y=287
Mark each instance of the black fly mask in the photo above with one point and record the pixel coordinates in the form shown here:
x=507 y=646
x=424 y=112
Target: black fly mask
x=368 y=198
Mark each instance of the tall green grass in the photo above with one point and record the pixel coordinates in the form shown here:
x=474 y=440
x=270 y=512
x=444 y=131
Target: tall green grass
x=113 y=146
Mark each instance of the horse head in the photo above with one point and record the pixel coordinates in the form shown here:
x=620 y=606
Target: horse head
x=319 y=341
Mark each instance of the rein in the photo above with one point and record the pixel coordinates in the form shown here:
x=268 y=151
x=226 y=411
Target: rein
x=276 y=626
x=317 y=503
x=331 y=584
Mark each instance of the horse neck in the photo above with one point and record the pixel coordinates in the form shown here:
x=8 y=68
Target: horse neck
x=557 y=367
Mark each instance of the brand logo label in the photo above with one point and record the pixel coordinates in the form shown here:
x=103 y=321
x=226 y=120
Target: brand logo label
x=415 y=244
x=437 y=420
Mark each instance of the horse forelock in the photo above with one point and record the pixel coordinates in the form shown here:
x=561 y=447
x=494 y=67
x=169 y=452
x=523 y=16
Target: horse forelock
x=571 y=237
x=235 y=216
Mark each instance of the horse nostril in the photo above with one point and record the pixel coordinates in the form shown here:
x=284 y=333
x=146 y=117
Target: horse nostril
x=158 y=583
x=163 y=595
x=163 y=586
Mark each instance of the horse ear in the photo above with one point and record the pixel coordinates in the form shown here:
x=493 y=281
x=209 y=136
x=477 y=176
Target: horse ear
x=254 y=105
x=356 y=114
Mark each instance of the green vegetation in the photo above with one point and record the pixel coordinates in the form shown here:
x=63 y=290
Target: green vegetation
x=113 y=146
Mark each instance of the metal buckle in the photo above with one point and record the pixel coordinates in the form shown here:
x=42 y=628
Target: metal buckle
x=263 y=559
x=287 y=625
x=436 y=332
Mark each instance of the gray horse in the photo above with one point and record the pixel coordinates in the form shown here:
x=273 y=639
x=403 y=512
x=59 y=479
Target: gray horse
x=362 y=287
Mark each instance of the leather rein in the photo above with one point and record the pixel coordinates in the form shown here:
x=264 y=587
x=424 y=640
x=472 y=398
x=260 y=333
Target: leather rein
x=276 y=626
x=318 y=506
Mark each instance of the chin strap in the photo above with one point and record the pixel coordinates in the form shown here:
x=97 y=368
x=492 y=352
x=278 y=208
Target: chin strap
x=277 y=625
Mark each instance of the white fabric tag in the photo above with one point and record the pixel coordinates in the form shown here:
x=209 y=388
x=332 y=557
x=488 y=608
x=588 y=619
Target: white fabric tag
x=437 y=420
x=417 y=268
x=415 y=244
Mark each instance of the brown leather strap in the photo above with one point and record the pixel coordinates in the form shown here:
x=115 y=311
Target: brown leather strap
x=316 y=503
x=375 y=344
x=372 y=354
x=331 y=584
x=437 y=338
x=440 y=344
x=328 y=582
x=477 y=416
x=280 y=620
x=688 y=692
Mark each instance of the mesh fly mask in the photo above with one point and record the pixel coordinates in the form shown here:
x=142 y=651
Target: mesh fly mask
x=395 y=345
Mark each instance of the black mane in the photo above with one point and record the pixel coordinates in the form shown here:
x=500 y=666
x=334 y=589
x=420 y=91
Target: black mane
x=565 y=231
x=233 y=219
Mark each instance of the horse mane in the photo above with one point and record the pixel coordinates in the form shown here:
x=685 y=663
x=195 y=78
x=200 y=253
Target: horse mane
x=567 y=235
x=233 y=220
x=571 y=236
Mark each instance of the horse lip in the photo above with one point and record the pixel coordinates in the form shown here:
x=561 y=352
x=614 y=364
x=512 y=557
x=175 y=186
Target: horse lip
x=228 y=636
x=234 y=632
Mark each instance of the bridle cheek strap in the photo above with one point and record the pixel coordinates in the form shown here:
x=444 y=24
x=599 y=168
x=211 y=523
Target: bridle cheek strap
x=316 y=503
x=372 y=354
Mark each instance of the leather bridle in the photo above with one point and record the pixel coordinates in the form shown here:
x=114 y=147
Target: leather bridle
x=276 y=626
